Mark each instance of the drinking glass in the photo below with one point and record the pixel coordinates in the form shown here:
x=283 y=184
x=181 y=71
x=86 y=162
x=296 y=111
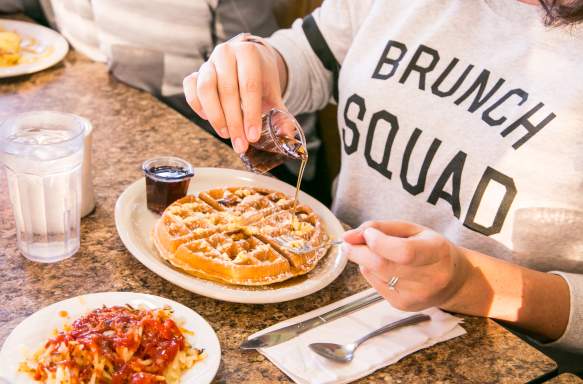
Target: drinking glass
x=42 y=153
x=282 y=138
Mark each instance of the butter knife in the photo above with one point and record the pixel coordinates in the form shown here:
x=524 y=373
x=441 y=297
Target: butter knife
x=286 y=333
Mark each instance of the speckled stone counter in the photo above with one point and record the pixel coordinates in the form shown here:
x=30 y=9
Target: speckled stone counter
x=129 y=126
x=565 y=378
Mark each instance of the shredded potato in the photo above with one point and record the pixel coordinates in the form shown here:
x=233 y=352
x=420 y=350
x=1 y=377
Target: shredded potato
x=115 y=345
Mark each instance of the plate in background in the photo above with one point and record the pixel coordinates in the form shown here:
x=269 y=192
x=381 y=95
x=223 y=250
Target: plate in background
x=41 y=47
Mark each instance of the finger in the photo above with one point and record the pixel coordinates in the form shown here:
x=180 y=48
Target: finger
x=379 y=285
x=362 y=255
x=405 y=251
x=272 y=93
x=250 y=88
x=189 y=88
x=382 y=268
x=206 y=89
x=272 y=97
x=402 y=297
x=393 y=228
x=228 y=86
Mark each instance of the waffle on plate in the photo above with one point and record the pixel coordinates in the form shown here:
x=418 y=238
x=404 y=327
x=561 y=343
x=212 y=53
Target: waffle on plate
x=228 y=235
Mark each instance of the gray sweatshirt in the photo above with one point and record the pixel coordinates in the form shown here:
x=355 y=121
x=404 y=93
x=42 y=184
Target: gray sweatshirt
x=463 y=116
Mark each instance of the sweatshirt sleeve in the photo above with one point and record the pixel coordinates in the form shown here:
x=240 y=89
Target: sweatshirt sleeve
x=310 y=84
x=572 y=339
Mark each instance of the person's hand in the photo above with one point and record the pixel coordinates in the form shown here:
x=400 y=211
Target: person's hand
x=430 y=269
x=239 y=81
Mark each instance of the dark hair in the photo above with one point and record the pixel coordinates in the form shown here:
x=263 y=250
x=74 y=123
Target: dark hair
x=563 y=12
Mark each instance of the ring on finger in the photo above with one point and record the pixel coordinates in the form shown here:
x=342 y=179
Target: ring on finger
x=392 y=283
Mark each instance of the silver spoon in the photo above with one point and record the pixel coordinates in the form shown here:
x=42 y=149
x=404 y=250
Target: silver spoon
x=345 y=353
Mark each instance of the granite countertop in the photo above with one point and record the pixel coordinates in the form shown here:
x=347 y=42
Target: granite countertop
x=130 y=126
x=565 y=378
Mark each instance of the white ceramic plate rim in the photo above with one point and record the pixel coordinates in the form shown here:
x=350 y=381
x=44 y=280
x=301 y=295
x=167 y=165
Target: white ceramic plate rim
x=60 y=46
x=46 y=319
x=230 y=177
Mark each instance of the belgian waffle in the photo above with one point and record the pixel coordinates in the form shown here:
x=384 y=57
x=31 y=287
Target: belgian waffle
x=229 y=235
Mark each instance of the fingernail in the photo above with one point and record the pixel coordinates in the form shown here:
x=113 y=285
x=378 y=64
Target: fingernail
x=253 y=133
x=370 y=232
x=187 y=95
x=345 y=249
x=352 y=231
x=239 y=145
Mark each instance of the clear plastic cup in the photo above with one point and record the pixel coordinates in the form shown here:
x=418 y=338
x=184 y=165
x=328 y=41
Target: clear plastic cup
x=282 y=138
x=42 y=153
x=167 y=180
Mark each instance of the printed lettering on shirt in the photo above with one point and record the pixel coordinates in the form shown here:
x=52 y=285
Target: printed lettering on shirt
x=474 y=92
x=482 y=91
x=448 y=185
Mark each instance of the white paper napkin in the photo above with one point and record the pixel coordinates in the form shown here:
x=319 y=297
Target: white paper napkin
x=304 y=366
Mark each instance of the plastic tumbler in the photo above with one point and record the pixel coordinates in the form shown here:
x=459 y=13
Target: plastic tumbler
x=282 y=138
x=42 y=153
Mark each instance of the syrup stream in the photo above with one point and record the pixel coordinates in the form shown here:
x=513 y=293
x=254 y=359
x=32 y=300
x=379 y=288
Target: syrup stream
x=298 y=184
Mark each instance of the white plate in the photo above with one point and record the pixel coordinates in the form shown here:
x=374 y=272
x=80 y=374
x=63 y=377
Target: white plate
x=135 y=224
x=38 y=327
x=41 y=48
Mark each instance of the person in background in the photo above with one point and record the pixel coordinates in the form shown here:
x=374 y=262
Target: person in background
x=152 y=45
x=462 y=147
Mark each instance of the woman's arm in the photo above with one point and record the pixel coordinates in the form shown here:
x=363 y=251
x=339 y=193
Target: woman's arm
x=536 y=302
x=310 y=86
x=434 y=272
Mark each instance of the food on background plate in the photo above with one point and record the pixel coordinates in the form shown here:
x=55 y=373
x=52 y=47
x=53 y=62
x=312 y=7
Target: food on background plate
x=117 y=345
x=9 y=48
x=229 y=235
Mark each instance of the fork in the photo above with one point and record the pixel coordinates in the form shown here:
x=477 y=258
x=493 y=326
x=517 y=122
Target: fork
x=287 y=242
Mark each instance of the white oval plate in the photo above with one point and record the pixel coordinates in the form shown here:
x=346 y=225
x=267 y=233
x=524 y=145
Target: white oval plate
x=42 y=47
x=135 y=224
x=33 y=331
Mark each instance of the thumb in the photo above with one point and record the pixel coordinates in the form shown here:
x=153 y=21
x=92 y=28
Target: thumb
x=354 y=236
x=273 y=100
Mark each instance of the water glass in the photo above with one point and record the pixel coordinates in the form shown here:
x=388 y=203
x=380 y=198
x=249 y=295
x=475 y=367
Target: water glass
x=42 y=153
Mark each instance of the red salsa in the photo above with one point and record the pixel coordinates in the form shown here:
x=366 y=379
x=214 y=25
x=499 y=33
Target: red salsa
x=115 y=333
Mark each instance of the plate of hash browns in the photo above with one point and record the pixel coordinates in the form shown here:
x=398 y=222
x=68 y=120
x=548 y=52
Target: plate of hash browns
x=221 y=240
x=112 y=338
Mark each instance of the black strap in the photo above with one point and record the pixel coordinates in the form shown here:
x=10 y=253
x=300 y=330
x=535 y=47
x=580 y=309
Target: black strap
x=322 y=50
x=34 y=9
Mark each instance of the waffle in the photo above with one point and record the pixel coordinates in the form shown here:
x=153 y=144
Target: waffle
x=229 y=235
